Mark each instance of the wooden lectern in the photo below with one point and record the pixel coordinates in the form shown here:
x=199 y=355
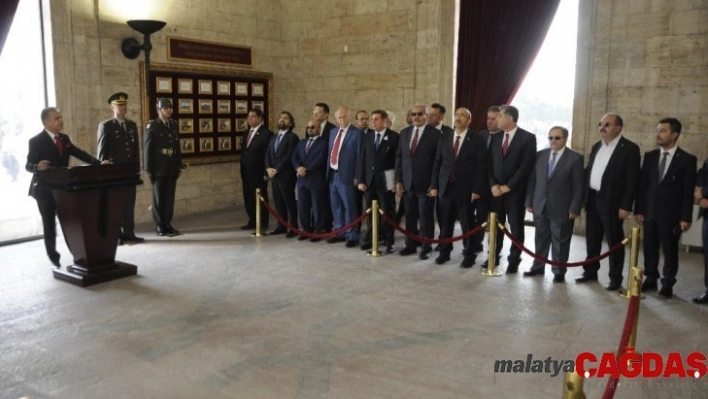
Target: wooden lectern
x=90 y=204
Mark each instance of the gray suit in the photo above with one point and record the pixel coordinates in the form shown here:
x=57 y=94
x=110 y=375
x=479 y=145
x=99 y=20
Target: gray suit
x=552 y=199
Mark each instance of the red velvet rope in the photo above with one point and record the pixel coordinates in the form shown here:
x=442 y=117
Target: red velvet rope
x=427 y=240
x=556 y=263
x=333 y=233
x=629 y=321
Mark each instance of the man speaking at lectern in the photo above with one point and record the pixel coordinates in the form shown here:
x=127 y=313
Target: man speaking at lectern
x=51 y=149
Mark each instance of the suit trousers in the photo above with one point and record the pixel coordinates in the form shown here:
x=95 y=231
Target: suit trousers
x=284 y=198
x=128 y=223
x=666 y=236
x=552 y=234
x=510 y=206
x=455 y=207
x=387 y=202
x=419 y=208
x=48 y=211
x=603 y=222
x=310 y=203
x=705 y=250
x=343 y=201
x=249 y=187
x=163 y=199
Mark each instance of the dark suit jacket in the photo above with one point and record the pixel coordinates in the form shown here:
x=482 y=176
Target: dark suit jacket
x=468 y=169
x=327 y=129
x=117 y=144
x=561 y=193
x=619 y=182
x=349 y=153
x=445 y=129
x=281 y=159
x=414 y=170
x=670 y=201
x=315 y=163
x=513 y=169
x=702 y=182
x=486 y=136
x=42 y=148
x=253 y=157
x=375 y=162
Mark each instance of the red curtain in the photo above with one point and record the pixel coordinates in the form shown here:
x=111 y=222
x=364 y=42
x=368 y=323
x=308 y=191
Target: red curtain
x=7 y=14
x=498 y=42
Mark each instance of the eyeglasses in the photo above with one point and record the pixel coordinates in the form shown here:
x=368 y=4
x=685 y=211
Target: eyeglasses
x=311 y=127
x=417 y=113
x=605 y=124
x=555 y=137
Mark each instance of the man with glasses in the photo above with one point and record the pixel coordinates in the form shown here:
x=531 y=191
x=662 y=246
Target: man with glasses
x=511 y=158
x=310 y=163
x=415 y=157
x=610 y=187
x=554 y=197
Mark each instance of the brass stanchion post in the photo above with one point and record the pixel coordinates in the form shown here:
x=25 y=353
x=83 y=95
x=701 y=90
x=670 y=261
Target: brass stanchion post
x=374 y=229
x=491 y=263
x=633 y=260
x=637 y=277
x=258 y=233
x=573 y=386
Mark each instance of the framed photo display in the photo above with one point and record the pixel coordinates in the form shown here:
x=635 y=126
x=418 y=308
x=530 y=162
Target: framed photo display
x=211 y=107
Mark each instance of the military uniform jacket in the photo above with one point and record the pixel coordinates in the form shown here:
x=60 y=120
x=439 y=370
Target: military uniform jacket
x=162 y=152
x=117 y=144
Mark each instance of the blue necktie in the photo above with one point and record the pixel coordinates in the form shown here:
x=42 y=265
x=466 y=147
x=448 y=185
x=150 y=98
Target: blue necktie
x=277 y=141
x=378 y=140
x=551 y=164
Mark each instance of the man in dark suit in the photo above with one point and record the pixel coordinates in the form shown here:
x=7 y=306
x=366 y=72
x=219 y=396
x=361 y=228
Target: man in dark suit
x=280 y=171
x=485 y=201
x=665 y=204
x=343 y=159
x=700 y=195
x=310 y=163
x=253 y=173
x=458 y=178
x=51 y=149
x=554 y=196
x=436 y=115
x=378 y=163
x=361 y=121
x=118 y=141
x=511 y=158
x=321 y=114
x=610 y=187
x=163 y=163
x=417 y=148
x=492 y=129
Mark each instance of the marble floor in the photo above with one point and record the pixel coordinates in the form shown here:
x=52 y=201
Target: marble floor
x=217 y=313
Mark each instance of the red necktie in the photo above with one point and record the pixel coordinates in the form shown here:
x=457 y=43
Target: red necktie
x=57 y=143
x=505 y=145
x=414 y=141
x=334 y=157
x=250 y=137
x=456 y=148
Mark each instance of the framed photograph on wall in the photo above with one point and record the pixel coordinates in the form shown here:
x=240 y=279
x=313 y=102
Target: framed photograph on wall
x=186 y=145
x=206 y=145
x=206 y=125
x=241 y=107
x=186 y=106
x=224 y=143
x=163 y=84
x=205 y=87
x=185 y=86
x=186 y=126
x=257 y=89
x=223 y=88
x=241 y=88
x=224 y=125
x=206 y=106
x=223 y=106
x=258 y=104
x=241 y=124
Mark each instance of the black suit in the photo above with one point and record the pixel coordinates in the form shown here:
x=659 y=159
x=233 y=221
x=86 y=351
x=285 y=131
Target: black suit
x=327 y=207
x=702 y=183
x=414 y=170
x=253 y=172
x=374 y=164
x=283 y=182
x=163 y=161
x=665 y=203
x=42 y=148
x=512 y=170
x=312 y=188
x=485 y=202
x=121 y=145
x=457 y=178
x=438 y=210
x=618 y=190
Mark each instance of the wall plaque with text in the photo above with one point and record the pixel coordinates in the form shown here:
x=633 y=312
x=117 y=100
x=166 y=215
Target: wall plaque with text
x=193 y=50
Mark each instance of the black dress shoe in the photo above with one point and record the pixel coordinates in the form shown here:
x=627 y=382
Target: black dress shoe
x=467 y=262
x=586 y=278
x=132 y=238
x=513 y=267
x=160 y=231
x=290 y=234
x=55 y=263
x=352 y=243
x=612 y=287
x=425 y=254
x=315 y=239
x=249 y=226
x=666 y=292
x=171 y=231
x=366 y=246
x=532 y=273
x=302 y=238
x=442 y=259
x=334 y=240
x=485 y=264
x=390 y=249
x=702 y=299
x=559 y=278
x=407 y=251
x=277 y=231
x=649 y=285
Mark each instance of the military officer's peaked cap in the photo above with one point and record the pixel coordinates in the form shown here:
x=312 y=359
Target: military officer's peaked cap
x=164 y=103
x=118 y=98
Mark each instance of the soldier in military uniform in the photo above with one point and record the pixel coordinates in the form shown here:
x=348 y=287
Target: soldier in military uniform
x=118 y=142
x=163 y=163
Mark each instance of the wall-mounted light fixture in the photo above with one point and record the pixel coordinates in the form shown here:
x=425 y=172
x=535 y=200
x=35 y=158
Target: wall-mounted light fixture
x=131 y=48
